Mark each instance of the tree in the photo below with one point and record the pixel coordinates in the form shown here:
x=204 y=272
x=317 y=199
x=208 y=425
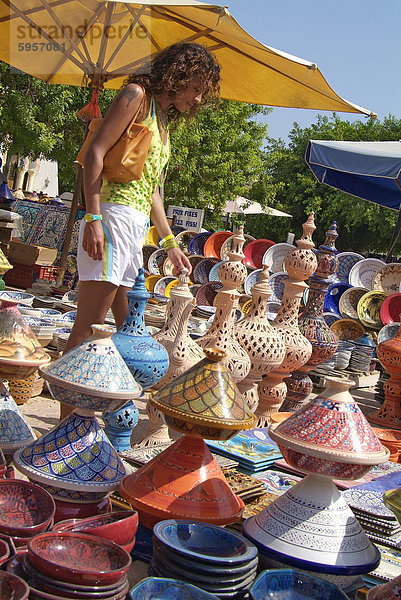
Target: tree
x=215 y=158
x=39 y=119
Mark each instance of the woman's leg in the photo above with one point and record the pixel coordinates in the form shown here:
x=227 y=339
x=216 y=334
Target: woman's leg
x=119 y=307
x=94 y=300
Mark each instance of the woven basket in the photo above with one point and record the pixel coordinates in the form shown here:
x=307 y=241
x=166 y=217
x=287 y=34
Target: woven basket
x=24 y=389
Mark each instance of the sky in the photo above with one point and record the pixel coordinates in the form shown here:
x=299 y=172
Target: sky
x=355 y=43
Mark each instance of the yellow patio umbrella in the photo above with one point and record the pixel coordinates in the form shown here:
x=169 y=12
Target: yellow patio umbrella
x=101 y=42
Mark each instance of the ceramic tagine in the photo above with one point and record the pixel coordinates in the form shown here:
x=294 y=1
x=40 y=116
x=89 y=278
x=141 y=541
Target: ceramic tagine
x=221 y=335
x=299 y=264
x=75 y=461
x=184 y=481
x=263 y=343
x=313 y=325
x=311 y=526
x=389 y=354
x=183 y=352
x=15 y=432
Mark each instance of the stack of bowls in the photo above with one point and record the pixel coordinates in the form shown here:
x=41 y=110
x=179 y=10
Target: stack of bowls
x=343 y=354
x=210 y=557
x=13 y=587
x=118 y=527
x=362 y=354
x=391 y=439
x=26 y=509
x=65 y=565
x=288 y=584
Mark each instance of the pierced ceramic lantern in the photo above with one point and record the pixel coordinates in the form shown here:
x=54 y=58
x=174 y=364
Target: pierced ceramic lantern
x=204 y=401
x=184 y=481
x=20 y=351
x=311 y=526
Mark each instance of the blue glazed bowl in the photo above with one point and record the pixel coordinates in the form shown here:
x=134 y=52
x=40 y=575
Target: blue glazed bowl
x=160 y=588
x=332 y=297
x=287 y=584
x=204 y=542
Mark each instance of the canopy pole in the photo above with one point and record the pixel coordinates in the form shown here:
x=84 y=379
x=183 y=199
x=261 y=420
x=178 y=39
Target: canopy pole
x=396 y=229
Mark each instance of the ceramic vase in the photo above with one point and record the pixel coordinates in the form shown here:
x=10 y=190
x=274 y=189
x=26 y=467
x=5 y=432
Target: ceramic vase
x=118 y=425
x=15 y=431
x=146 y=358
x=313 y=325
x=263 y=343
x=221 y=334
x=389 y=354
x=184 y=481
x=311 y=526
x=299 y=264
x=20 y=351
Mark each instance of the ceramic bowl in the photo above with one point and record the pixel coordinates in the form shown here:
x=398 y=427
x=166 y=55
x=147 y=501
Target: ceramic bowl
x=344 y=263
x=25 y=508
x=4 y=552
x=330 y=318
x=162 y=283
x=387 y=332
x=155 y=262
x=118 y=527
x=368 y=309
x=347 y=329
x=364 y=271
x=29 y=311
x=152 y=236
x=390 y=309
x=22 y=297
x=206 y=294
x=214 y=271
x=78 y=558
x=77 y=510
x=197 y=243
x=147 y=251
x=388 y=279
x=277 y=282
x=184 y=237
x=288 y=584
x=255 y=251
x=251 y=280
x=203 y=268
x=332 y=297
x=214 y=242
x=163 y=588
x=204 y=542
x=275 y=255
x=348 y=302
x=13 y=587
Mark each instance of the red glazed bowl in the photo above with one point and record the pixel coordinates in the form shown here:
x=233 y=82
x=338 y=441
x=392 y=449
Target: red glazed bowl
x=118 y=527
x=12 y=587
x=4 y=552
x=80 y=510
x=78 y=558
x=25 y=508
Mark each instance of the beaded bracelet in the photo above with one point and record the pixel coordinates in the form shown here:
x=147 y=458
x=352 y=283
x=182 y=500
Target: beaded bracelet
x=170 y=244
x=166 y=239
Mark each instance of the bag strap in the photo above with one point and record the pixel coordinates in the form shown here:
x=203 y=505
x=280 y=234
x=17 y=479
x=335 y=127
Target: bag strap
x=137 y=112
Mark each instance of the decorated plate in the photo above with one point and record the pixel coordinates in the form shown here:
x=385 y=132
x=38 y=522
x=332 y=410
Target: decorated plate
x=276 y=282
x=390 y=309
x=184 y=237
x=227 y=245
x=364 y=271
x=333 y=295
x=388 y=279
x=255 y=251
x=368 y=309
x=207 y=292
x=387 y=332
x=147 y=251
x=345 y=262
x=150 y=282
x=246 y=306
x=170 y=286
x=272 y=309
x=155 y=262
x=167 y=267
x=348 y=302
x=347 y=329
x=213 y=273
x=250 y=281
x=202 y=270
x=197 y=243
x=275 y=255
x=213 y=244
x=161 y=284
x=152 y=237
x=330 y=318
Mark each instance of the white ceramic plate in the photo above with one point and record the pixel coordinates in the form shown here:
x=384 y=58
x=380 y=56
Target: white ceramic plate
x=276 y=282
x=275 y=255
x=388 y=279
x=364 y=271
x=345 y=262
x=250 y=281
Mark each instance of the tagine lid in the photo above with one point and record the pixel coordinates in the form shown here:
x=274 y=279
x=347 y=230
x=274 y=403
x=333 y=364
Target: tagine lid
x=207 y=395
x=331 y=426
x=95 y=366
x=18 y=343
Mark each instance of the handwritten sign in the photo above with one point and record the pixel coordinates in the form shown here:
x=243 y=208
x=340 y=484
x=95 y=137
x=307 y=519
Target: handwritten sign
x=189 y=218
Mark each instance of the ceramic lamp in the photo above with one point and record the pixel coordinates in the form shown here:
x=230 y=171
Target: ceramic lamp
x=20 y=351
x=15 y=431
x=184 y=481
x=311 y=526
x=204 y=401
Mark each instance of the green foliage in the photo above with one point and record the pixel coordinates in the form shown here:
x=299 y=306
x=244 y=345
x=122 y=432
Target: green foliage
x=216 y=158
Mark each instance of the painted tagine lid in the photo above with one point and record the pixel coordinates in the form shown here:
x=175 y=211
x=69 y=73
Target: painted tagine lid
x=19 y=346
x=205 y=396
x=330 y=435
x=15 y=431
x=94 y=367
x=184 y=481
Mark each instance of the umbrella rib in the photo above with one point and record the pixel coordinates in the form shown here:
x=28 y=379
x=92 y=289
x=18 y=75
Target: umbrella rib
x=145 y=29
x=31 y=11
x=104 y=40
x=127 y=33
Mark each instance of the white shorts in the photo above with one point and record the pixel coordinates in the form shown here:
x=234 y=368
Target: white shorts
x=124 y=231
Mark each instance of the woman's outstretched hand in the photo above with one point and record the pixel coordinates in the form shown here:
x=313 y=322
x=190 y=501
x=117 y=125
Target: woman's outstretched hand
x=179 y=260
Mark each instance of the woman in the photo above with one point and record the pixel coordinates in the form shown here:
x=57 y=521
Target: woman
x=174 y=84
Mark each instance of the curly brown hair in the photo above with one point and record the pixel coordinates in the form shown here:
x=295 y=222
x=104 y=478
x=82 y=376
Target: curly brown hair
x=174 y=68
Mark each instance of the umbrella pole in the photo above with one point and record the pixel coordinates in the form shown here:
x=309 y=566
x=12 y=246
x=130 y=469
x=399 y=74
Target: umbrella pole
x=76 y=199
x=395 y=236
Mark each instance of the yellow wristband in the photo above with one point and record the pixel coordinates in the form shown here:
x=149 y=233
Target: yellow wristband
x=170 y=244
x=164 y=240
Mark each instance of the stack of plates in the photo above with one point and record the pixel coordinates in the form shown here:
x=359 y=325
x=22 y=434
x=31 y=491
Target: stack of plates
x=343 y=354
x=44 y=302
x=217 y=560
x=362 y=354
x=251 y=454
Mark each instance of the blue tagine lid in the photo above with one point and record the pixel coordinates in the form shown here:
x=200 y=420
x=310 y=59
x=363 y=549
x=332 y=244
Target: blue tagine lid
x=15 y=432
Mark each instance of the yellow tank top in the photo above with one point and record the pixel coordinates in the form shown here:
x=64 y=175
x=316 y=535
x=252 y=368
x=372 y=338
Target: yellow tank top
x=138 y=194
